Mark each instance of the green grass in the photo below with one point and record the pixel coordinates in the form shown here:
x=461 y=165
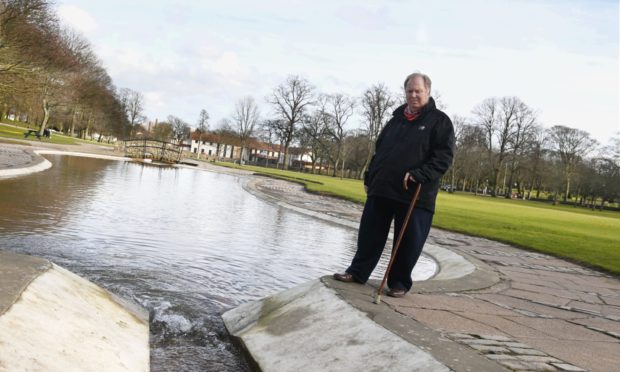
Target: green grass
x=589 y=237
x=9 y=131
x=582 y=235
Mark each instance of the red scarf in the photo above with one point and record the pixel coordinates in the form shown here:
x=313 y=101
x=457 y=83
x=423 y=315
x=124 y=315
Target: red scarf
x=410 y=116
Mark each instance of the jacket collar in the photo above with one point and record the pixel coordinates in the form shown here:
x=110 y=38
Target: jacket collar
x=428 y=107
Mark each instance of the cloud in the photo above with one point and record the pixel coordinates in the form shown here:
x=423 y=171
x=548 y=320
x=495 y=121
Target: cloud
x=77 y=18
x=365 y=18
x=422 y=34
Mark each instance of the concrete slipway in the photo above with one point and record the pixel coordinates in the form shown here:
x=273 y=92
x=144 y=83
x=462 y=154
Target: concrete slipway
x=54 y=320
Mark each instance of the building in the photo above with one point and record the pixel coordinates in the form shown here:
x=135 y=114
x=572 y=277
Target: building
x=226 y=147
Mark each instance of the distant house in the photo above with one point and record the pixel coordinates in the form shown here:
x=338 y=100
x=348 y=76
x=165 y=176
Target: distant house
x=208 y=146
x=300 y=158
x=212 y=146
x=264 y=154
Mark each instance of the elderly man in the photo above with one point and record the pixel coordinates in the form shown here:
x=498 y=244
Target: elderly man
x=415 y=147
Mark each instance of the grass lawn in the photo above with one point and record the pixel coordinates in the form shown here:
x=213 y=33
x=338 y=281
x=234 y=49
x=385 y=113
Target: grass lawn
x=16 y=131
x=9 y=131
x=590 y=237
x=582 y=235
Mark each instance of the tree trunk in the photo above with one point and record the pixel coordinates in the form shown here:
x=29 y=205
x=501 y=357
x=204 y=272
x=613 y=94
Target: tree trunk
x=46 y=116
x=567 y=187
x=452 y=178
x=495 y=181
x=510 y=179
x=88 y=123
x=286 y=145
x=369 y=157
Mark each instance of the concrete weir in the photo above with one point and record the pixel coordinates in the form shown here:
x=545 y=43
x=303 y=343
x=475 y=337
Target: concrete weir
x=54 y=320
x=311 y=328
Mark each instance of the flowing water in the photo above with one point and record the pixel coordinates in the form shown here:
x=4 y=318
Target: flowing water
x=185 y=244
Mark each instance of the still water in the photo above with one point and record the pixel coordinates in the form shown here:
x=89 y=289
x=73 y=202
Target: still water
x=185 y=244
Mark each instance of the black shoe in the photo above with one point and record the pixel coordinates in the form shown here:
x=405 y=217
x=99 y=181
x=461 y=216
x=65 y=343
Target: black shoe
x=397 y=292
x=345 y=277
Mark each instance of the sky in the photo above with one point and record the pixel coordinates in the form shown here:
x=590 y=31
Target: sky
x=558 y=56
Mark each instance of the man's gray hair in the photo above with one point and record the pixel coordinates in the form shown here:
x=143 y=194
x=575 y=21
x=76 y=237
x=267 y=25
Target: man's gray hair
x=427 y=80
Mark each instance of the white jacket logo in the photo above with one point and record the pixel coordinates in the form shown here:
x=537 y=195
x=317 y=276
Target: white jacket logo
x=421 y=127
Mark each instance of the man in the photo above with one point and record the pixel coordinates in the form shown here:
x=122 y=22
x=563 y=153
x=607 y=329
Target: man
x=415 y=147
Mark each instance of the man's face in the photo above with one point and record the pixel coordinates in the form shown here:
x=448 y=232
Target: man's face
x=416 y=93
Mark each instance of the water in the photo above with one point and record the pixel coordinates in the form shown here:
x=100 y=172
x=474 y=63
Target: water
x=185 y=244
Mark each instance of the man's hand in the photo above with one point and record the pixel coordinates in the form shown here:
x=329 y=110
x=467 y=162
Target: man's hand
x=366 y=189
x=408 y=177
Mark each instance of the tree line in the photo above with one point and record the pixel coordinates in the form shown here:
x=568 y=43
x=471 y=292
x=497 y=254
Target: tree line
x=49 y=74
x=502 y=149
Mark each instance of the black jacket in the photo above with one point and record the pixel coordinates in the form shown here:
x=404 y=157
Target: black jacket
x=423 y=147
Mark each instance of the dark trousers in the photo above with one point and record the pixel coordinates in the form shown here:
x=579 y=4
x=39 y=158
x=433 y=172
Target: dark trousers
x=374 y=229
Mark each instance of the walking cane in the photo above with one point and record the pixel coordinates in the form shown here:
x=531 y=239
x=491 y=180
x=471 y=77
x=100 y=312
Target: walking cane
x=400 y=237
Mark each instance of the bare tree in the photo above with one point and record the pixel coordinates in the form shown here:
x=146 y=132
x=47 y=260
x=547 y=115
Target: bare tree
x=472 y=149
x=313 y=135
x=273 y=131
x=599 y=179
x=524 y=132
x=162 y=131
x=51 y=76
x=497 y=117
x=337 y=108
x=290 y=99
x=203 y=121
x=571 y=145
x=180 y=128
x=245 y=118
x=377 y=103
x=508 y=108
x=486 y=116
x=535 y=160
x=202 y=127
x=133 y=102
x=458 y=123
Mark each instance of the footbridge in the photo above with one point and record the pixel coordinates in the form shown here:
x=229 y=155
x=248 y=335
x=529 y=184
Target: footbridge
x=156 y=150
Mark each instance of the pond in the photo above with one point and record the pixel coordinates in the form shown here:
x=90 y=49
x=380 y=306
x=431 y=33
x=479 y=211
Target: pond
x=184 y=243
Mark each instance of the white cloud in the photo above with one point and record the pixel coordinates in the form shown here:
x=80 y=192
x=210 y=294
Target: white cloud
x=154 y=99
x=422 y=34
x=77 y=18
x=559 y=57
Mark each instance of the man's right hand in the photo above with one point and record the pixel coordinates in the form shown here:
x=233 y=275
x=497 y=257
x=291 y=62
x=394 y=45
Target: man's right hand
x=366 y=189
x=408 y=177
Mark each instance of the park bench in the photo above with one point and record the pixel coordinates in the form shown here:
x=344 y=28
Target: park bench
x=32 y=132
x=46 y=133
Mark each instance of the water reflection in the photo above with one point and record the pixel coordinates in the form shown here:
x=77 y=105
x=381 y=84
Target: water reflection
x=185 y=244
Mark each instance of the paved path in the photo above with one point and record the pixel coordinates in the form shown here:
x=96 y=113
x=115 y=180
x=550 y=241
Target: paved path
x=541 y=314
x=544 y=313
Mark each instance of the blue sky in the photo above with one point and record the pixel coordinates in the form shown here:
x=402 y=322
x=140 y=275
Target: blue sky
x=560 y=57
